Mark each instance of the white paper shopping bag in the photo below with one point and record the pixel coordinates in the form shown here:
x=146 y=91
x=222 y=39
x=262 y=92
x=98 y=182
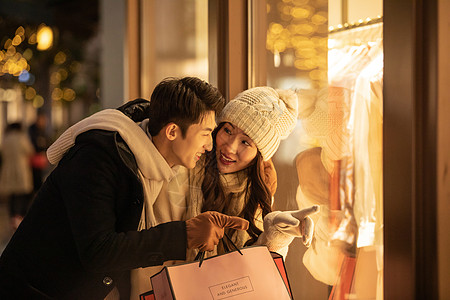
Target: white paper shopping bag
x=252 y=275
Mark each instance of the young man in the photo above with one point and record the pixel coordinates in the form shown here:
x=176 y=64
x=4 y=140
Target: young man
x=93 y=219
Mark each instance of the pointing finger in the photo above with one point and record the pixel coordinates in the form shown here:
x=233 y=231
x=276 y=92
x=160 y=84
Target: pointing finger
x=301 y=214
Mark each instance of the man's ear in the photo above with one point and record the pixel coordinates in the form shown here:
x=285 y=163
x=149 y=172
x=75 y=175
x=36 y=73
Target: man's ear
x=171 y=131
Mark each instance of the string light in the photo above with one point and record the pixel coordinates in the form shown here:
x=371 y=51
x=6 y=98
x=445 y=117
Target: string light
x=298 y=38
x=360 y=22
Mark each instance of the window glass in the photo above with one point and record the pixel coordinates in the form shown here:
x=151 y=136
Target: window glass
x=331 y=53
x=174 y=38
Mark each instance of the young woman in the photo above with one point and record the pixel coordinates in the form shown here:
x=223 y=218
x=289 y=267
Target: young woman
x=237 y=177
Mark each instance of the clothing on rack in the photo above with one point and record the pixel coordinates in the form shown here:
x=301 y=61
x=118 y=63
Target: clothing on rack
x=350 y=85
x=346 y=121
x=366 y=123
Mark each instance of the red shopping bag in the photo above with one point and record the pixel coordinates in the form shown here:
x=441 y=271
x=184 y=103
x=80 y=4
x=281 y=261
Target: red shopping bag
x=147 y=296
x=39 y=160
x=250 y=275
x=279 y=262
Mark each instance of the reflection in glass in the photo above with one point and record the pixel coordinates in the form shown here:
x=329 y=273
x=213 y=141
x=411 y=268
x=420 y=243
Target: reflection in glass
x=335 y=152
x=297 y=40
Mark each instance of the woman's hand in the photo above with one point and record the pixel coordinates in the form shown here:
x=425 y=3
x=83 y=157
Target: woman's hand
x=281 y=227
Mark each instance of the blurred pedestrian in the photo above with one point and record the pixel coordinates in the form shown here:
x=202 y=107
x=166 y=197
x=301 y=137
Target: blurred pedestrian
x=16 y=180
x=41 y=141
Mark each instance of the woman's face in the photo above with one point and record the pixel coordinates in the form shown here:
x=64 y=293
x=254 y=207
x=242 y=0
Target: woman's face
x=234 y=149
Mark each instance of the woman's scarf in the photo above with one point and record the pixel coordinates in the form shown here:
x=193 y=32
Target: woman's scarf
x=235 y=189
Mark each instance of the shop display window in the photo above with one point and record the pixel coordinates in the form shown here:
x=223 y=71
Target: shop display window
x=331 y=53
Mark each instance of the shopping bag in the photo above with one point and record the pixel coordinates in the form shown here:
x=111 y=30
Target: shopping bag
x=39 y=160
x=277 y=258
x=279 y=262
x=250 y=275
x=147 y=296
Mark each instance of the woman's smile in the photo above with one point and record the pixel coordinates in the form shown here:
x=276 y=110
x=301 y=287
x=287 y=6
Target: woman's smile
x=234 y=149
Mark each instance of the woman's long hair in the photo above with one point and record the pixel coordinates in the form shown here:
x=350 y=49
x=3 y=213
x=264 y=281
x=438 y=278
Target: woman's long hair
x=256 y=194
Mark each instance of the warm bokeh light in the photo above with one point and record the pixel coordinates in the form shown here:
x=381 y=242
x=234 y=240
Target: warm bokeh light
x=32 y=39
x=8 y=43
x=69 y=94
x=318 y=75
x=297 y=37
x=20 y=31
x=57 y=94
x=300 y=13
x=27 y=54
x=17 y=40
x=55 y=78
x=75 y=66
x=63 y=74
x=11 y=51
x=44 y=38
x=60 y=58
x=30 y=93
x=38 y=101
x=320 y=17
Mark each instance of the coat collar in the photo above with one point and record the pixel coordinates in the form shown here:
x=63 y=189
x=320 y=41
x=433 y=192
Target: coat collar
x=149 y=161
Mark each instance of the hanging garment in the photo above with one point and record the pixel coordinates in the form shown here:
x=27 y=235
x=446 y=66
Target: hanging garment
x=367 y=126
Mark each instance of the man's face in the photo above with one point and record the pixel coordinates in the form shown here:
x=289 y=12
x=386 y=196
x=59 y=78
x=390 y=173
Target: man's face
x=188 y=150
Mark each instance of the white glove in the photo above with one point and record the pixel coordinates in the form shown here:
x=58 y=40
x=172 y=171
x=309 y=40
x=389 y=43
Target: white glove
x=281 y=227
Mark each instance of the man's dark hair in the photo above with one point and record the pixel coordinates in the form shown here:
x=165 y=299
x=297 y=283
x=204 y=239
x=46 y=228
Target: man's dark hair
x=183 y=101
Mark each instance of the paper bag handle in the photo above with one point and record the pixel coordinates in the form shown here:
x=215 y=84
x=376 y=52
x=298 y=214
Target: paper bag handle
x=201 y=254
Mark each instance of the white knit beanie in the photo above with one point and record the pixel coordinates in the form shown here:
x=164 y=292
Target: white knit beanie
x=265 y=115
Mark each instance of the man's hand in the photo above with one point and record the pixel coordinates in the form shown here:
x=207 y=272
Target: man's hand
x=205 y=230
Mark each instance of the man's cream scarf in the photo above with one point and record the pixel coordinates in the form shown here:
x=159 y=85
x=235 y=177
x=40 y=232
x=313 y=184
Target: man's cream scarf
x=152 y=167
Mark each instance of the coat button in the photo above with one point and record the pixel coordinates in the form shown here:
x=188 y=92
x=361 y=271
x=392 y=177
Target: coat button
x=107 y=281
